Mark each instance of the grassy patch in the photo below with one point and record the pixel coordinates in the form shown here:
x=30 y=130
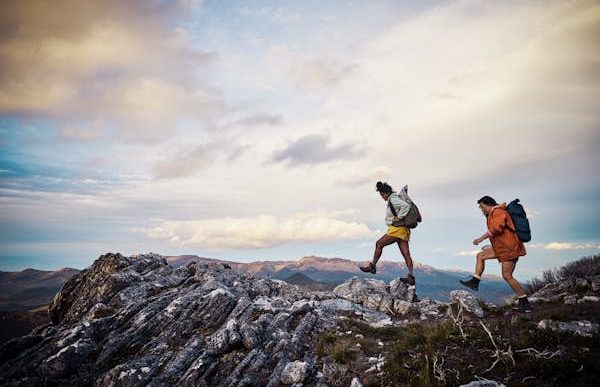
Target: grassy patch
x=435 y=354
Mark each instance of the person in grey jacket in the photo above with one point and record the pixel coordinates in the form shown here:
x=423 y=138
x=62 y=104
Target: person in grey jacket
x=395 y=234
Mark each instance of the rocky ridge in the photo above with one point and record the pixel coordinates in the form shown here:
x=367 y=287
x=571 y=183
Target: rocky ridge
x=136 y=321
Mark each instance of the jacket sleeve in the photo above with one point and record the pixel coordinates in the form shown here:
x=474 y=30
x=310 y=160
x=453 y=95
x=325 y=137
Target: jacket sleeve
x=496 y=222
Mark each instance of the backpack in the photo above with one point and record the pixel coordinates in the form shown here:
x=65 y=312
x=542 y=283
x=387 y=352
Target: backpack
x=519 y=218
x=413 y=217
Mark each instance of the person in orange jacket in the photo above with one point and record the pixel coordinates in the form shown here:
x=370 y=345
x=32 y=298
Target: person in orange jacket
x=506 y=248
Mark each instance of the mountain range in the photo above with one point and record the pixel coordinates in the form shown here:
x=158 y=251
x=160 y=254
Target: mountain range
x=431 y=282
x=30 y=289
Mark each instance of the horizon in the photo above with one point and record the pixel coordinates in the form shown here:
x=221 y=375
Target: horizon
x=256 y=130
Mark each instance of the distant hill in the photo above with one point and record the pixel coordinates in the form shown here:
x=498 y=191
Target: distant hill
x=431 y=282
x=308 y=283
x=30 y=288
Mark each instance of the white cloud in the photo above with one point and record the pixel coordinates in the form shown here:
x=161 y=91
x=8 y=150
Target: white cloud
x=257 y=232
x=566 y=246
x=355 y=178
x=122 y=64
x=321 y=74
x=187 y=163
x=468 y=253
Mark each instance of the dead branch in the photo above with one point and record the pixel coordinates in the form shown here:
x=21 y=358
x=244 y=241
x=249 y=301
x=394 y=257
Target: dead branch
x=498 y=354
x=438 y=369
x=538 y=354
x=459 y=319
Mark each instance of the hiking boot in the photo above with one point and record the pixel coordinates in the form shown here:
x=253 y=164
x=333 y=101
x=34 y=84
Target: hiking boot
x=409 y=280
x=473 y=283
x=524 y=305
x=370 y=268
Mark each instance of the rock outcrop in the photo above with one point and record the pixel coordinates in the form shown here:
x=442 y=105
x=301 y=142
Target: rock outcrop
x=571 y=290
x=136 y=321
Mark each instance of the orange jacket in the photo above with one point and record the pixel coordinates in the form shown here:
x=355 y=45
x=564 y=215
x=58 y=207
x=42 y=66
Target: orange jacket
x=504 y=239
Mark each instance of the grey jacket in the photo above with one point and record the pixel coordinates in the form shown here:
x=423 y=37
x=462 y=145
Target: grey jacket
x=401 y=205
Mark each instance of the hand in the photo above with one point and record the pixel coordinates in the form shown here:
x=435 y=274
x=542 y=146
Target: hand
x=476 y=241
x=395 y=219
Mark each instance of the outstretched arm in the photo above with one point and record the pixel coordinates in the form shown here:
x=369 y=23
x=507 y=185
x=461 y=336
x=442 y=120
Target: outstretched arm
x=485 y=236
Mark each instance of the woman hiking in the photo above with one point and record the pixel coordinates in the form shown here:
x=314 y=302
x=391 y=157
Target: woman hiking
x=506 y=248
x=395 y=234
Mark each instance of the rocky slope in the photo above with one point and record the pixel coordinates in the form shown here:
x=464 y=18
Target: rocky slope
x=137 y=321
x=432 y=282
x=134 y=321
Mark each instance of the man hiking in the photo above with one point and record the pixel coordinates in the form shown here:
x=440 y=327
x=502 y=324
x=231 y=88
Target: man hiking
x=506 y=248
x=395 y=234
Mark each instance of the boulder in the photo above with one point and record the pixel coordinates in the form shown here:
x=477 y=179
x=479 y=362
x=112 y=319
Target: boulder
x=466 y=300
x=294 y=372
x=582 y=327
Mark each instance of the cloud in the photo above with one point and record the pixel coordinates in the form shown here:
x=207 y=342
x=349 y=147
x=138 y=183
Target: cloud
x=321 y=74
x=188 y=163
x=127 y=65
x=468 y=253
x=356 y=178
x=566 y=246
x=255 y=120
x=315 y=149
x=255 y=233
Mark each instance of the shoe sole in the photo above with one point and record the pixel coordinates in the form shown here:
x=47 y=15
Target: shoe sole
x=467 y=286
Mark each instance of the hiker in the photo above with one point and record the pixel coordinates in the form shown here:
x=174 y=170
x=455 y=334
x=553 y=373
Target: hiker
x=506 y=248
x=395 y=234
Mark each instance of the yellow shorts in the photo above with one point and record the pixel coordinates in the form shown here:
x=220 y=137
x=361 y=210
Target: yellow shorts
x=399 y=232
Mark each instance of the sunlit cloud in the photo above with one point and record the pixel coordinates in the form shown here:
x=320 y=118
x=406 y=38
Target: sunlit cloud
x=255 y=233
x=111 y=62
x=469 y=253
x=566 y=246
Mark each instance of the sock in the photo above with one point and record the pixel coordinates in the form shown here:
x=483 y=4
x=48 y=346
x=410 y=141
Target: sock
x=523 y=296
x=477 y=276
x=410 y=271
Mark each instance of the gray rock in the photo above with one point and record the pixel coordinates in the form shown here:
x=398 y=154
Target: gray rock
x=376 y=294
x=355 y=383
x=467 y=301
x=134 y=321
x=294 y=372
x=588 y=299
x=582 y=327
x=582 y=284
x=483 y=383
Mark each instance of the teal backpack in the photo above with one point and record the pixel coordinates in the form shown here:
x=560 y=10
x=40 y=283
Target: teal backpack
x=519 y=217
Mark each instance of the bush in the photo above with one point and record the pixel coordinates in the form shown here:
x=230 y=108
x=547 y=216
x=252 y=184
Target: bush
x=587 y=266
x=584 y=267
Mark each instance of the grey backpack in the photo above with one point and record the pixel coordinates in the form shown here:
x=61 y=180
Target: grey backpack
x=413 y=217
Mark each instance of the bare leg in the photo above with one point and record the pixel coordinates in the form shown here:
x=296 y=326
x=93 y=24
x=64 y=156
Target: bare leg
x=405 y=250
x=482 y=256
x=507 y=269
x=381 y=243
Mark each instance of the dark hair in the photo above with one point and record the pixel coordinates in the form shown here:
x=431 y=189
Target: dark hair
x=383 y=187
x=488 y=201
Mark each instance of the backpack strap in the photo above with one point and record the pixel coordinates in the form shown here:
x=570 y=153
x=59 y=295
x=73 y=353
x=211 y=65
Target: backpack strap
x=392 y=208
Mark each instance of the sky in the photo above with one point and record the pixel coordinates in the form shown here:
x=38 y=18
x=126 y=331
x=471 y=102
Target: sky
x=256 y=130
